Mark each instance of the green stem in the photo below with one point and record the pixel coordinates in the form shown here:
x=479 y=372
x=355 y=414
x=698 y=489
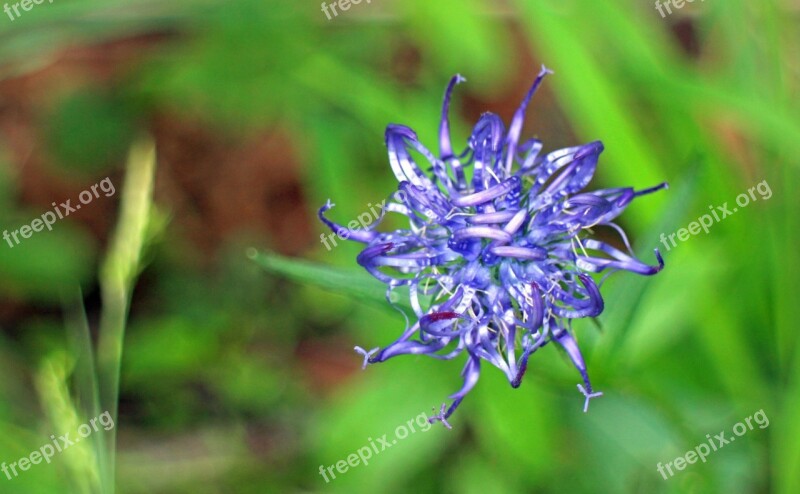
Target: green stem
x=117 y=278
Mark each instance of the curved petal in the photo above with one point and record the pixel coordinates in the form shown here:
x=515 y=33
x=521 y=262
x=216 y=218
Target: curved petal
x=445 y=148
x=398 y=137
x=364 y=236
x=409 y=347
x=485 y=141
x=589 y=305
x=471 y=373
x=489 y=194
x=619 y=260
x=568 y=343
x=519 y=118
x=568 y=171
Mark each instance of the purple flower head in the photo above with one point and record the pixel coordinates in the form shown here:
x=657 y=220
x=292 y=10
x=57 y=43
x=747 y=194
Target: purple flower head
x=498 y=255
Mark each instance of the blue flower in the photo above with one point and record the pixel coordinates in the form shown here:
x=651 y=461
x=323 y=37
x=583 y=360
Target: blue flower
x=498 y=256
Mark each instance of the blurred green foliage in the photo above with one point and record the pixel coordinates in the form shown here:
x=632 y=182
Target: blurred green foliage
x=90 y=130
x=237 y=380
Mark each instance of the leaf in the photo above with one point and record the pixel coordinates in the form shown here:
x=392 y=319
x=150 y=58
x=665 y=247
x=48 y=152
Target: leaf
x=627 y=299
x=389 y=403
x=353 y=283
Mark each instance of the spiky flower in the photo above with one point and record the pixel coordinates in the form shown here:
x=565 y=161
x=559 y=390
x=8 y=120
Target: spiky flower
x=498 y=258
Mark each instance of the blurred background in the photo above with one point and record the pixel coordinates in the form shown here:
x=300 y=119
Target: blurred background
x=237 y=371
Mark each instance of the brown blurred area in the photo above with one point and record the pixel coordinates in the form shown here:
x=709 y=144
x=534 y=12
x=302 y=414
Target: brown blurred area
x=214 y=184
